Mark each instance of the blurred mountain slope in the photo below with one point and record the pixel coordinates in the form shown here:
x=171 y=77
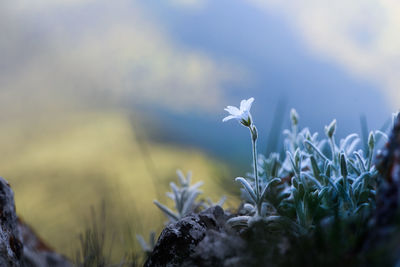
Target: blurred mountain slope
x=60 y=167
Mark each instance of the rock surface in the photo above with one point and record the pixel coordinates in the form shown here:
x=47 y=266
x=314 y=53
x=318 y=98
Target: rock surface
x=204 y=239
x=178 y=241
x=19 y=245
x=11 y=247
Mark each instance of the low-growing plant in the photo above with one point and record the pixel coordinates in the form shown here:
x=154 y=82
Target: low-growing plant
x=318 y=193
x=316 y=179
x=183 y=195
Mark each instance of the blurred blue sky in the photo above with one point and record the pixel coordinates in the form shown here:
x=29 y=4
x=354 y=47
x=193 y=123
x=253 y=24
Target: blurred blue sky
x=279 y=65
x=182 y=61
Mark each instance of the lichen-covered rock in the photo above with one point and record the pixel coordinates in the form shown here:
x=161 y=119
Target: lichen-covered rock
x=204 y=239
x=11 y=247
x=219 y=248
x=19 y=245
x=179 y=240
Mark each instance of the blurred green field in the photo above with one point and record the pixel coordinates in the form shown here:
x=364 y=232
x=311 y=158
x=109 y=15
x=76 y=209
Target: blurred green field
x=59 y=168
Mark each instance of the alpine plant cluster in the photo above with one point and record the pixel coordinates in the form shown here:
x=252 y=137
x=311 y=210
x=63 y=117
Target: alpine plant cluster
x=316 y=180
x=318 y=177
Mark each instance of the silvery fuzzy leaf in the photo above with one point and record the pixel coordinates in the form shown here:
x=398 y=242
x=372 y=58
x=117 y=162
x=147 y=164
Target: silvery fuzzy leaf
x=270 y=183
x=152 y=240
x=248 y=188
x=196 y=185
x=239 y=221
x=361 y=207
x=181 y=177
x=350 y=149
x=177 y=196
x=221 y=201
x=189 y=178
x=315 y=168
x=145 y=247
x=170 y=195
x=292 y=161
x=345 y=142
x=379 y=134
x=360 y=161
x=187 y=206
x=313 y=180
x=169 y=213
x=316 y=150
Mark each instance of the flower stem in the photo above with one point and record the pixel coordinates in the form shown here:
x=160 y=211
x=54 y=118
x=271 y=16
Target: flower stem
x=334 y=160
x=332 y=143
x=253 y=141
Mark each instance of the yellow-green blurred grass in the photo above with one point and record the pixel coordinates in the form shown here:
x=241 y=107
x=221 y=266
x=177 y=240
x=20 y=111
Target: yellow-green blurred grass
x=60 y=167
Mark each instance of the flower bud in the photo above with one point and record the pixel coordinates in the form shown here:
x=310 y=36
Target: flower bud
x=254 y=133
x=308 y=136
x=294 y=116
x=330 y=129
x=343 y=165
x=371 y=141
x=246 y=122
x=297 y=158
x=328 y=170
x=294 y=182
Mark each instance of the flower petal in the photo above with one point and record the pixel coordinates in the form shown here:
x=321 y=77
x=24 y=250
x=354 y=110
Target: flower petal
x=229 y=118
x=233 y=110
x=246 y=104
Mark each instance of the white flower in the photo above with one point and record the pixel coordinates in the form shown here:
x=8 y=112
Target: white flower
x=243 y=114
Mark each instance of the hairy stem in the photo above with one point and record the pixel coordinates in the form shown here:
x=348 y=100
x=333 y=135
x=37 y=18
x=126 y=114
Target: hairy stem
x=371 y=152
x=253 y=141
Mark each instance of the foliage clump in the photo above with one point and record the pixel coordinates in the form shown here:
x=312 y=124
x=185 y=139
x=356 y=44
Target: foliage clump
x=313 y=204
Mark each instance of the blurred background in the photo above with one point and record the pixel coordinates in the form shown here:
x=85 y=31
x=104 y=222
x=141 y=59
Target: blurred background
x=103 y=100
